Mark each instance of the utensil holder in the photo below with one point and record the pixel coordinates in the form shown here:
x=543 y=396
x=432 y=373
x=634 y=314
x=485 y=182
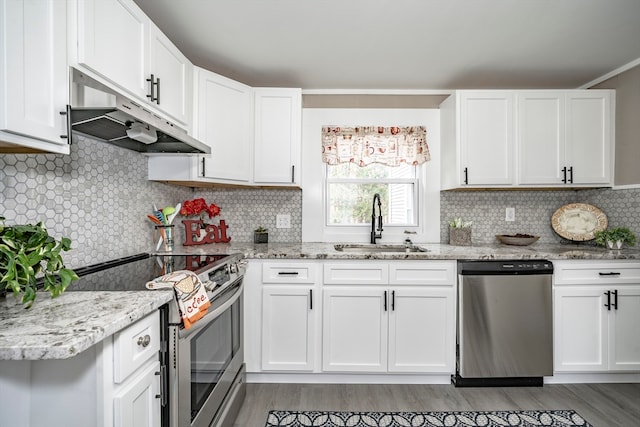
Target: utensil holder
x=163 y=235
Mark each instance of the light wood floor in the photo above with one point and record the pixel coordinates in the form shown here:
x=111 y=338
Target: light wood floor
x=603 y=405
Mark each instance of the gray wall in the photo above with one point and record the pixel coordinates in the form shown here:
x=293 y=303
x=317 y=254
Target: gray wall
x=627 y=86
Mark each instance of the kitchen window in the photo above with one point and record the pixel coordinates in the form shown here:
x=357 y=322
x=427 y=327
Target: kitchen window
x=350 y=189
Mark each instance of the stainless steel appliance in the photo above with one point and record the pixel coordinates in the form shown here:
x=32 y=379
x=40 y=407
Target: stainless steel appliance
x=505 y=323
x=202 y=368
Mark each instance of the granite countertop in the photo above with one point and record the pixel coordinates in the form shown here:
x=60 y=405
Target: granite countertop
x=60 y=328
x=434 y=251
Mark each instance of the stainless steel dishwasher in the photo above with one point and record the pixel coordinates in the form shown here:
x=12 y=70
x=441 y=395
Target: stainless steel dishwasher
x=505 y=323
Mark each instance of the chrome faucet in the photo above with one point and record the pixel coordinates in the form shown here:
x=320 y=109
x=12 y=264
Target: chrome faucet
x=376 y=233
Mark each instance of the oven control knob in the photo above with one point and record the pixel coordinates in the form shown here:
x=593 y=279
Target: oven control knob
x=144 y=341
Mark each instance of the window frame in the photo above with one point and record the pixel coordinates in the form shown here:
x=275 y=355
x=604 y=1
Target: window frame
x=415 y=181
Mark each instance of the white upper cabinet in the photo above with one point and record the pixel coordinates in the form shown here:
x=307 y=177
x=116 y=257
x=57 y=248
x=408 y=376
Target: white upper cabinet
x=34 y=88
x=225 y=122
x=113 y=41
x=537 y=138
x=565 y=138
x=278 y=133
x=477 y=139
x=119 y=45
x=172 y=77
x=589 y=140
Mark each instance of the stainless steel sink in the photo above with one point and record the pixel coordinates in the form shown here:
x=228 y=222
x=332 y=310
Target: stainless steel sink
x=368 y=247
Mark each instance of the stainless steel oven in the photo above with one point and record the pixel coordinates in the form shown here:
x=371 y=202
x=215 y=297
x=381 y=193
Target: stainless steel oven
x=201 y=368
x=206 y=377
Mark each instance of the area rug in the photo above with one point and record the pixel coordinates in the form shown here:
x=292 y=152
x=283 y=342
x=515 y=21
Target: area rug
x=555 y=418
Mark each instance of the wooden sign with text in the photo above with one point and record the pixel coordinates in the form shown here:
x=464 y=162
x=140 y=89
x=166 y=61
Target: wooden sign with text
x=196 y=233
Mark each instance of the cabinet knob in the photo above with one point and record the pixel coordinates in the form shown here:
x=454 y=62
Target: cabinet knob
x=144 y=341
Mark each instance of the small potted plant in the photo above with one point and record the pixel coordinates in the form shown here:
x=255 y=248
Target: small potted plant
x=29 y=254
x=260 y=235
x=460 y=232
x=614 y=238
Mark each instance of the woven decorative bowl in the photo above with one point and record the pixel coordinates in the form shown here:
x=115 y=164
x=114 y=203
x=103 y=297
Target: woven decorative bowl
x=517 y=239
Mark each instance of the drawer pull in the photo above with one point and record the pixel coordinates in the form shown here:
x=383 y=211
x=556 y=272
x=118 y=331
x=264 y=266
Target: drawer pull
x=144 y=341
x=611 y=273
x=287 y=273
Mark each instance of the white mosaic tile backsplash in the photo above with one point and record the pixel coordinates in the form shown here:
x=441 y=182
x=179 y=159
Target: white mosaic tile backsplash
x=533 y=211
x=99 y=197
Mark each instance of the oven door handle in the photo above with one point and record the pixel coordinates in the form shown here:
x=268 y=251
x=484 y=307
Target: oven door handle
x=213 y=315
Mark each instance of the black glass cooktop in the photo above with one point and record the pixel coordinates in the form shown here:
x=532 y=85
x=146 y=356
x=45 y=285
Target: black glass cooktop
x=132 y=273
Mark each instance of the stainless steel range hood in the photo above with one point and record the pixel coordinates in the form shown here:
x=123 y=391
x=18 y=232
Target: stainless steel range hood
x=128 y=124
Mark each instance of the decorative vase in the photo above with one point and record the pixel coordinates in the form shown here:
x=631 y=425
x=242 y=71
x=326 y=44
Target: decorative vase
x=260 y=237
x=460 y=236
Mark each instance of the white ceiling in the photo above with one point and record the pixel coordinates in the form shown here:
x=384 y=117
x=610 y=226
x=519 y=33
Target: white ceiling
x=404 y=44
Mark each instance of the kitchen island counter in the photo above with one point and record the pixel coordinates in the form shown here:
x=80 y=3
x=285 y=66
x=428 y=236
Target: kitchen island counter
x=433 y=251
x=62 y=327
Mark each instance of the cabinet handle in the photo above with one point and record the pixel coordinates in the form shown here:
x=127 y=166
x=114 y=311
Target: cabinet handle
x=608 y=304
x=158 y=91
x=287 y=273
x=144 y=341
x=67 y=113
x=163 y=385
x=293 y=174
x=571 y=175
x=310 y=299
x=466 y=175
x=615 y=299
x=385 y=300
x=611 y=273
x=564 y=175
x=153 y=85
x=203 y=166
x=393 y=300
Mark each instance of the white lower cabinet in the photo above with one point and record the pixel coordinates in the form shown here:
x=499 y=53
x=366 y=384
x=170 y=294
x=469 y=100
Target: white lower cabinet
x=596 y=316
x=408 y=327
x=115 y=383
x=290 y=316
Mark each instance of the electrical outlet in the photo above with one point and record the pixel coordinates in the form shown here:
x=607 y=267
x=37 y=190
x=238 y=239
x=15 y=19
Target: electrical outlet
x=510 y=214
x=283 y=221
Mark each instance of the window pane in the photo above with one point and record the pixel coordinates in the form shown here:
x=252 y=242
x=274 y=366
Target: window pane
x=372 y=171
x=351 y=204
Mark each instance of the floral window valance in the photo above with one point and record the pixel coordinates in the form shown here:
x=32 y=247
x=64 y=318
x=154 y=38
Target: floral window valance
x=364 y=145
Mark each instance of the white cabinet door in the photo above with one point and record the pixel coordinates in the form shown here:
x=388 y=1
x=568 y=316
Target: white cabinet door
x=113 y=41
x=588 y=141
x=354 y=329
x=34 y=86
x=225 y=122
x=173 y=77
x=541 y=136
x=624 y=330
x=486 y=138
x=421 y=330
x=288 y=328
x=136 y=404
x=580 y=332
x=278 y=117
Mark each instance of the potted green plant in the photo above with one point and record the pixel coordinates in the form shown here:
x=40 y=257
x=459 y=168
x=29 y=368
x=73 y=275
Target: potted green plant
x=460 y=232
x=260 y=235
x=615 y=237
x=29 y=254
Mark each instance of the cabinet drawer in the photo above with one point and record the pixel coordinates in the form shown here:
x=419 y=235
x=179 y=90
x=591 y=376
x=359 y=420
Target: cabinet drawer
x=288 y=272
x=136 y=344
x=356 y=274
x=422 y=273
x=598 y=272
